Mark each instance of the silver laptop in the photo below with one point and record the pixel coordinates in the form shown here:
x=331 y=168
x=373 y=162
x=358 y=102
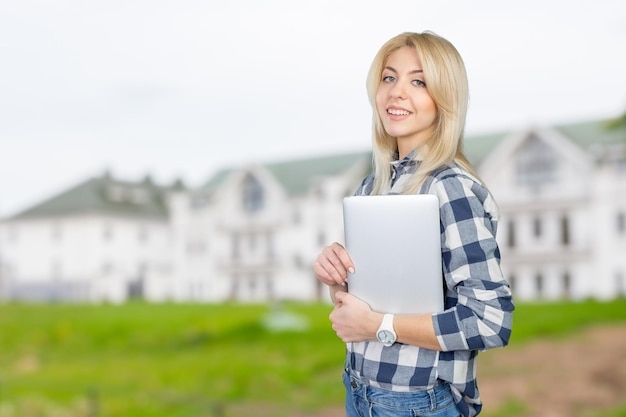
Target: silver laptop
x=394 y=242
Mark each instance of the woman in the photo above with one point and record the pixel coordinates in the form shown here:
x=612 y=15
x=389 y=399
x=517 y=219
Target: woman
x=426 y=364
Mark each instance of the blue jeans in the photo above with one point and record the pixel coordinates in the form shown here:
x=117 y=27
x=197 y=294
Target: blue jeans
x=366 y=401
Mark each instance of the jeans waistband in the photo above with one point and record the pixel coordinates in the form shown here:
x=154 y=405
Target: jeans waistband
x=431 y=398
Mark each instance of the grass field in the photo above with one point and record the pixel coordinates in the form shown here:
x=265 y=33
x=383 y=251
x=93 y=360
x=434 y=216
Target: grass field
x=175 y=360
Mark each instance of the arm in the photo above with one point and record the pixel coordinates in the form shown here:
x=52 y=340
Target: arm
x=354 y=321
x=480 y=304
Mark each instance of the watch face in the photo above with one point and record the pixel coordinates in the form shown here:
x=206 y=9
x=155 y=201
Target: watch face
x=385 y=336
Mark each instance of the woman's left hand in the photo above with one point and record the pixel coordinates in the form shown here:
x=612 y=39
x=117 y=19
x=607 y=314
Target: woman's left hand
x=353 y=320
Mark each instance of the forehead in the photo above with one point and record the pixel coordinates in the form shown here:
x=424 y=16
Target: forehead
x=402 y=58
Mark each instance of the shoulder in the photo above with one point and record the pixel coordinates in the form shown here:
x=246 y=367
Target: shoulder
x=453 y=183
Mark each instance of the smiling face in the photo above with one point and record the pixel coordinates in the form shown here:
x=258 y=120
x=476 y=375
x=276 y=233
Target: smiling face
x=403 y=103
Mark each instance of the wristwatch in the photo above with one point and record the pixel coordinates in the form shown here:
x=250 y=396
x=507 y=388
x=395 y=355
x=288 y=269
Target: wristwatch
x=385 y=333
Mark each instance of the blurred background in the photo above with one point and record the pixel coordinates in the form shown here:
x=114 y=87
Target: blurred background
x=169 y=172
x=183 y=89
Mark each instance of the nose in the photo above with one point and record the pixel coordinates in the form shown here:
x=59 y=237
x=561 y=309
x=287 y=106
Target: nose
x=397 y=91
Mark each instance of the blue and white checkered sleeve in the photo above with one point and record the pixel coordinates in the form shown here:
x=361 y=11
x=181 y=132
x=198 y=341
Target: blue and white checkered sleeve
x=479 y=304
x=366 y=186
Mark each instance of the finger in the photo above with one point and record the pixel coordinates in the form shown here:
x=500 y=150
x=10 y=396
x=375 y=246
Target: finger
x=333 y=265
x=340 y=296
x=343 y=256
x=326 y=272
x=321 y=273
x=334 y=255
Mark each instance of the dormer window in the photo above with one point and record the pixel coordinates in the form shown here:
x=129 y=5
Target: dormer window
x=536 y=163
x=253 y=194
x=134 y=195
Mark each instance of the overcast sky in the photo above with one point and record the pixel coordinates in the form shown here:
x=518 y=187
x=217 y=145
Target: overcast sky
x=184 y=88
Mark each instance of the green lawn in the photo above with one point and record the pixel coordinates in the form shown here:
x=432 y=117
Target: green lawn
x=175 y=360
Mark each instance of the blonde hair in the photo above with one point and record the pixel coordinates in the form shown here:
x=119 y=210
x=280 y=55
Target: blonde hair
x=446 y=80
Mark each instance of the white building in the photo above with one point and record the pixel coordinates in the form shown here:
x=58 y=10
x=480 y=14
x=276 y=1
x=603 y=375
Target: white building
x=94 y=242
x=562 y=195
x=252 y=233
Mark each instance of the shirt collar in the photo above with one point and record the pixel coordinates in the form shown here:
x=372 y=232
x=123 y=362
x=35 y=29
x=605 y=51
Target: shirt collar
x=411 y=159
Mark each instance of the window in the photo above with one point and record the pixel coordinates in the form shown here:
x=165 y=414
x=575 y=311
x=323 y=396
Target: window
x=321 y=238
x=539 y=284
x=252 y=283
x=234 y=289
x=565 y=233
x=139 y=196
x=512 y=281
x=621 y=222
x=253 y=194
x=269 y=238
x=567 y=284
x=511 y=234
x=121 y=194
x=235 y=246
x=269 y=286
x=252 y=238
x=537 y=225
x=620 y=279
x=115 y=193
x=536 y=163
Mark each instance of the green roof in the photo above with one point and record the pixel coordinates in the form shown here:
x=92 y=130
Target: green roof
x=476 y=148
x=297 y=176
x=586 y=134
x=105 y=195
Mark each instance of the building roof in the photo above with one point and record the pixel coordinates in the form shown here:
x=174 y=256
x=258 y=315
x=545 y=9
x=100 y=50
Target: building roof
x=587 y=134
x=105 y=195
x=476 y=148
x=584 y=134
x=296 y=176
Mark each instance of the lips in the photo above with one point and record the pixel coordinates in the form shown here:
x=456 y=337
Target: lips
x=397 y=113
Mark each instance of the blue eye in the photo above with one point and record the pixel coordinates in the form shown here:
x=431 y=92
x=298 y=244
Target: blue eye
x=419 y=83
x=388 y=79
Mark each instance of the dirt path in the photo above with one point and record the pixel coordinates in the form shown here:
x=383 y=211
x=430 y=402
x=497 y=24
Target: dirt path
x=555 y=378
x=564 y=378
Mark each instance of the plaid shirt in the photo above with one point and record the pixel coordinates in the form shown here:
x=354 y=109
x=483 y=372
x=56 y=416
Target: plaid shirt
x=478 y=305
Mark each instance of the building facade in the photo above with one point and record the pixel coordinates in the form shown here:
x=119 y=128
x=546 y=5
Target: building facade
x=251 y=233
x=97 y=241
